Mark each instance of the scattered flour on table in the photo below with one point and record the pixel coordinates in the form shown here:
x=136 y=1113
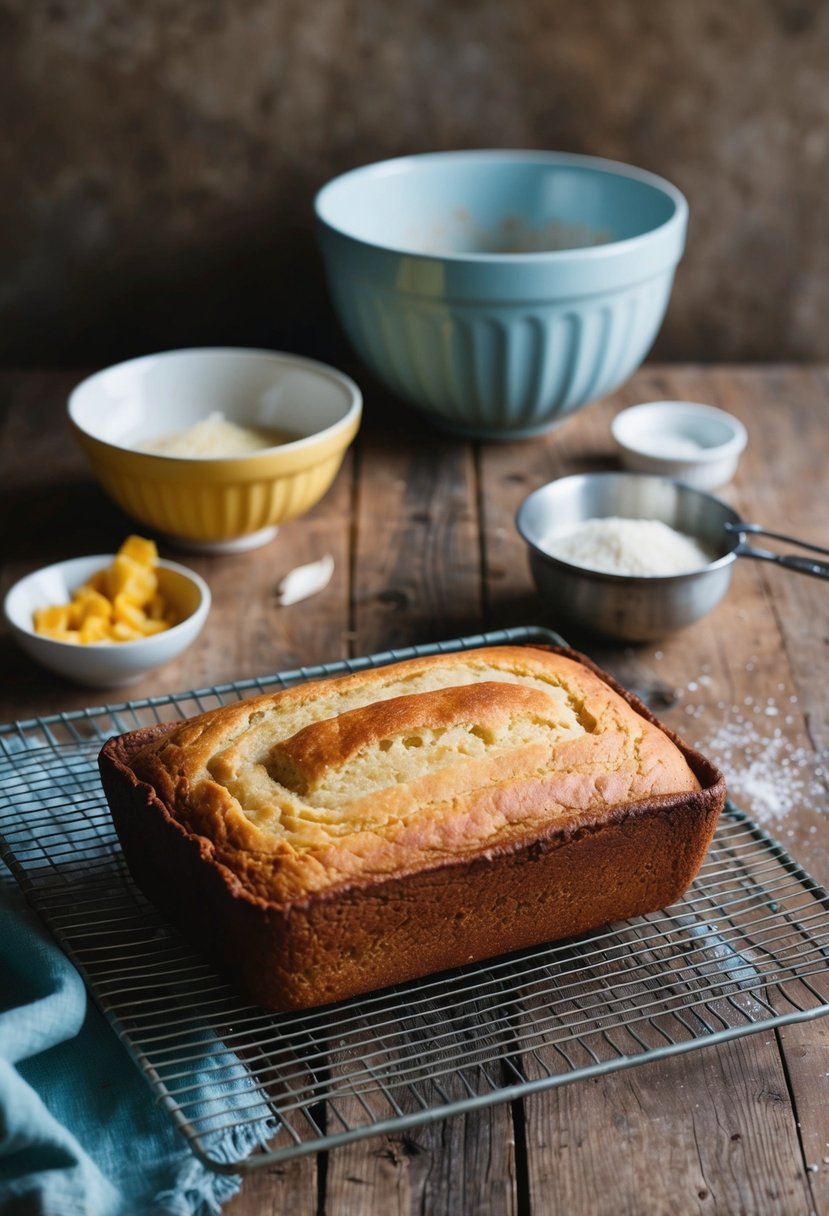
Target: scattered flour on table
x=639 y=547
x=769 y=772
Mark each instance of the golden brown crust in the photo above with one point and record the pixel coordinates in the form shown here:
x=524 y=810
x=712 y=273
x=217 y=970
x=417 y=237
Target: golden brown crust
x=343 y=835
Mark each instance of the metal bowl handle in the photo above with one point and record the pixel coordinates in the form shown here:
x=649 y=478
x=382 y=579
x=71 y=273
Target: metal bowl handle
x=742 y=528
x=790 y=561
x=802 y=565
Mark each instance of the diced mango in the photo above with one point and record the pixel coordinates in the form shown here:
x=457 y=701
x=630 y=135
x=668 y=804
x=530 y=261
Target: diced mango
x=140 y=550
x=93 y=603
x=55 y=617
x=100 y=581
x=149 y=628
x=121 y=603
x=125 y=633
x=75 y=617
x=123 y=609
x=126 y=577
x=61 y=635
x=94 y=629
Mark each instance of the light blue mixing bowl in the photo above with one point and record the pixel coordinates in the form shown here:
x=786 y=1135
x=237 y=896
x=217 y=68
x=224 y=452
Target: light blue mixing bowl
x=499 y=291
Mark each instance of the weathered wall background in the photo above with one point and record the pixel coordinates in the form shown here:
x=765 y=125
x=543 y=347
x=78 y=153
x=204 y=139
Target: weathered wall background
x=158 y=159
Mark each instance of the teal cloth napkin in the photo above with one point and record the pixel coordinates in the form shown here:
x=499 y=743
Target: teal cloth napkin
x=80 y=1132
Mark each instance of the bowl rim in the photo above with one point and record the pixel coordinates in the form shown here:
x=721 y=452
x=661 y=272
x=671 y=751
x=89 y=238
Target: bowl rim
x=612 y=168
x=304 y=443
x=639 y=580
x=195 y=619
x=668 y=408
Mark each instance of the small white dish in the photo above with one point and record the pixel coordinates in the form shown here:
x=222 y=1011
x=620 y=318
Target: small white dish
x=699 y=445
x=104 y=664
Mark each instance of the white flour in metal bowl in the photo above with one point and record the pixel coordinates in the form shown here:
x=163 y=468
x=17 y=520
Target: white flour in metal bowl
x=639 y=547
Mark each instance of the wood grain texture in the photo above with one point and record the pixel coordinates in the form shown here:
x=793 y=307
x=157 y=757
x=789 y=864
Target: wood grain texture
x=711 y=1132
x=416 y=573
x=277 y=1189
x=421 y=529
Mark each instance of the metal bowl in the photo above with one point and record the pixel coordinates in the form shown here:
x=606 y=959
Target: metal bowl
x=637 y=608
x=627 y=607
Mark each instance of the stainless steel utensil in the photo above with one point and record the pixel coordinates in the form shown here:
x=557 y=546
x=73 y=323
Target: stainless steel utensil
x=802 y=565
x=630 y=607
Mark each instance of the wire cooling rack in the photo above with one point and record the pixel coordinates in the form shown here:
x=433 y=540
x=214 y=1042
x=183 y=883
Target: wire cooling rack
x=745 y=950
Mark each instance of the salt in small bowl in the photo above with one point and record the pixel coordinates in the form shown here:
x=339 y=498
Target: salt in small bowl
x=699 y=445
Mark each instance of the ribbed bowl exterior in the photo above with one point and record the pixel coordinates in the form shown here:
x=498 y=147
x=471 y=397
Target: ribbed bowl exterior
x=511 y=370
x=208 y=511
x=499 y=345
x=219 y=501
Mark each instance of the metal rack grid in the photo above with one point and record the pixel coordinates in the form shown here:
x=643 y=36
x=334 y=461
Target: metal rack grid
x=745 y=950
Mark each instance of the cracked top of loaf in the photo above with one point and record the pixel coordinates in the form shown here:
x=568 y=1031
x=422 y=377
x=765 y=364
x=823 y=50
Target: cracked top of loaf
x=404 y=767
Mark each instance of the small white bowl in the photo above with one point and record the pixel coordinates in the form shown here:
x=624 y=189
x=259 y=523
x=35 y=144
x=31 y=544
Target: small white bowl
x=696 y=444
x=104 y=664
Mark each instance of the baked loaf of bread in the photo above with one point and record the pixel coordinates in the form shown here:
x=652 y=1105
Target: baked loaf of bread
x=347 y=834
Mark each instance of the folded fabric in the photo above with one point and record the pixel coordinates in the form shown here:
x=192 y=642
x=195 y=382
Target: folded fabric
x=80 y=1132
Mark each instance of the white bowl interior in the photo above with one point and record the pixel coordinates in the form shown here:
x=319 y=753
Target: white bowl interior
x=494 y=203
x=681 y=430
x=131 y=403
x=180 y=591
x=51 y=585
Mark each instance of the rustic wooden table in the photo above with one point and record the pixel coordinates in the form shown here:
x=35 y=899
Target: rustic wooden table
x=421 y=530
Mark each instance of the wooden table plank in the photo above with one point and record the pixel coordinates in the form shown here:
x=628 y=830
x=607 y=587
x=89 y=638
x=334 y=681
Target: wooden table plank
x=805 y=1047
x=712 y=1132
x=290 y=1187
x=416 y=573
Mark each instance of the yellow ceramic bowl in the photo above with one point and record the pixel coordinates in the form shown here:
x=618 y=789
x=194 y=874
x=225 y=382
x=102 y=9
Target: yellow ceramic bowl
x=216 y=503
